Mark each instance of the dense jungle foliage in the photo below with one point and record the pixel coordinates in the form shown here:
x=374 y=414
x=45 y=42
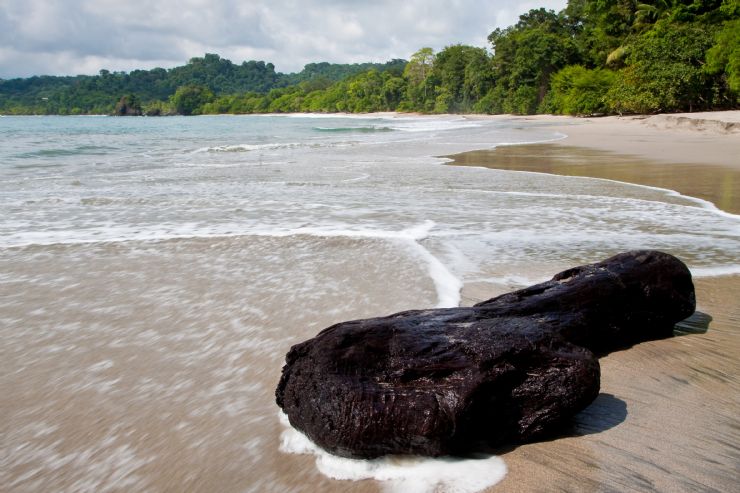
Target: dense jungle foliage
x=593 y=57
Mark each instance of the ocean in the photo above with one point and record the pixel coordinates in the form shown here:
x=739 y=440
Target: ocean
x=155 y=271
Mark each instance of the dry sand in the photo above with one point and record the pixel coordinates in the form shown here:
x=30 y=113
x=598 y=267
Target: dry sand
x=692 y=138
x=667 y=417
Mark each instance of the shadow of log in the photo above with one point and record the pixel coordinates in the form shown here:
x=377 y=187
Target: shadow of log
x=698 y=323
x=604 y=413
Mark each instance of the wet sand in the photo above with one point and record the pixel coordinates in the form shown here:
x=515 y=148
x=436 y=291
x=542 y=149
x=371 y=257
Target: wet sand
x=115 y=378
x=666 y=419
x=717 y=184
x=667 y=415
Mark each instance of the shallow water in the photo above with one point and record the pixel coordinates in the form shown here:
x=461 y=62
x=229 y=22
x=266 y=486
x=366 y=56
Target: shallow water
x=153 y=273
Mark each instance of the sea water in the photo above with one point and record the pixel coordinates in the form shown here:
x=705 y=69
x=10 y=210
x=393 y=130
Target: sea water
x=155 y=271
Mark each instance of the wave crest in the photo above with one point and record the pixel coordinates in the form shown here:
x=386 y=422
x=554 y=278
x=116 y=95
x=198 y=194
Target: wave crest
x=248 y=147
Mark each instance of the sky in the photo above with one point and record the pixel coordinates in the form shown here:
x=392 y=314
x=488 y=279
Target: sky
x=69 y=37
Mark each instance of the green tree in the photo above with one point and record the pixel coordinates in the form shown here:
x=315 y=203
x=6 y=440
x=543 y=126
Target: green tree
x=393 y=91
x=599 y=27
x=417 y=72
x=158 y=108
x=723 y=59
x=419 y=66
x=576 y=90
x=665 y=71
x=189 y=99
x=527 y=54
x=461 y=76
x=648 y=13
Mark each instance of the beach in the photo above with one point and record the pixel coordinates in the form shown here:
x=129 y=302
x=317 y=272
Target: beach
x=695 y=154
x=667 y=415
x=154 y=273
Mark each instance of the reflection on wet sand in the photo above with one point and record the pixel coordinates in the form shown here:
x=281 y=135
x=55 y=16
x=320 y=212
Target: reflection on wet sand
x=717 y=184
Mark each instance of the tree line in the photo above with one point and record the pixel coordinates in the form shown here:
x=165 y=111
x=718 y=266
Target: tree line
x=153 y=91
x=593 y=57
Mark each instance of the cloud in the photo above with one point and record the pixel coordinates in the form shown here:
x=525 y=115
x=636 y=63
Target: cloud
x=84 y=36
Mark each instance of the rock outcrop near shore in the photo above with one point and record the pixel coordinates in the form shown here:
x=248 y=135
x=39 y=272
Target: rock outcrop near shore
x=460 y=380
x=127 y=106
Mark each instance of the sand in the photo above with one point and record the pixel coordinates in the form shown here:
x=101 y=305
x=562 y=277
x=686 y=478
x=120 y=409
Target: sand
x=667 y=415
x=116 y=378
x=692 y=138
x=695 y=154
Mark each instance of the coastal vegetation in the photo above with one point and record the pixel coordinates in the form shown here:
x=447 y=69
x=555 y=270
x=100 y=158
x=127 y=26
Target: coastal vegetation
x=593 y=57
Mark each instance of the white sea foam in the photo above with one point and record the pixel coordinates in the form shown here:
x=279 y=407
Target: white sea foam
x=420 y=231
x=362 y=177
x=368 y=192
x=447 y=285
x=400 y=122
x=345 y=116
x=364 y=129
x=556 y=137
x=705 y=204
x=717 y=271
x=334 y=116
x=702 y=203
x=400 y=474
x=511 y=280
x=248 y=147
x=433 y=125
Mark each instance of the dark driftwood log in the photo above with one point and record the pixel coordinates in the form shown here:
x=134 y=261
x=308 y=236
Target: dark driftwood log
x=458 y=380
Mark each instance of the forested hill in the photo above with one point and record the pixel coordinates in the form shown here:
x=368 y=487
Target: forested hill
x=593 y=57
x=98 y=94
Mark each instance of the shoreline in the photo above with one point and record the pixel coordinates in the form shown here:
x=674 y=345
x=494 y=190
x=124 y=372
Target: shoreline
x=662 y=151
x=666 y=417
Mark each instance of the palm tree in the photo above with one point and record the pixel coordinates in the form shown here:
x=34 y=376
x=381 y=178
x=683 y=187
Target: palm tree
x=648 y=14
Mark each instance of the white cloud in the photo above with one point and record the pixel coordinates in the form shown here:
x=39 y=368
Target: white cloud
x=84 y=36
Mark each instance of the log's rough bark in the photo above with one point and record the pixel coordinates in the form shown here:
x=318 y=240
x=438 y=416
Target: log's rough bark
x=460 y=380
